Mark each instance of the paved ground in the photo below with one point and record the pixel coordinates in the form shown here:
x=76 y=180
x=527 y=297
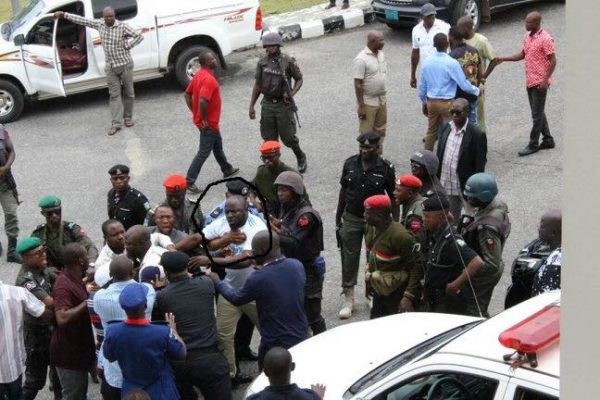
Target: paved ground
x=63 y=149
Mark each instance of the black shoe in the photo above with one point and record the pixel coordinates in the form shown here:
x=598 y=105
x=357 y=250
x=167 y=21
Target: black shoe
x=247 y=355
x=528 y=150
x=231 y=172
x=302 y=163
x=241 y=379
x=192 y=188
x=547 y=144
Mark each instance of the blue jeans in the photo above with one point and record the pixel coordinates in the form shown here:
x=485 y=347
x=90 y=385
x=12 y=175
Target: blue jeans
x=12 y=391
x=210 y=141
x=473 y=112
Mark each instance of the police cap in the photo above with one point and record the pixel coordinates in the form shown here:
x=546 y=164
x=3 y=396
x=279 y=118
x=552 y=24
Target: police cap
x=435 y=203
x=133 y=297
x=49 y=201
x=28 y=244
x=272 y=39
x=270 y=147
x=368 y=138
x=118 y=169
x=237 y=186
x=175 y=183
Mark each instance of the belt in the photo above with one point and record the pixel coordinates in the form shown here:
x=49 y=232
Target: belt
x=444 y=100
x=273 y=99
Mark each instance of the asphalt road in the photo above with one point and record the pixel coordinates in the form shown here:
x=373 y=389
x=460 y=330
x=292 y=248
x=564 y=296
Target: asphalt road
x=62 y=147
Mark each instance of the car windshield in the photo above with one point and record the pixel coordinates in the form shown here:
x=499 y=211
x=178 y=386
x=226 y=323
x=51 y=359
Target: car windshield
x=32 y=10
x=406 y=357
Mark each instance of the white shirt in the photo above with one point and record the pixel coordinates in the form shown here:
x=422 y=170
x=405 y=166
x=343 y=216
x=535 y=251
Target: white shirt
x=423 y=40
x=13 y=300
x=448 y=175
x=220 y=227
x=152 y=259
x=372 y=70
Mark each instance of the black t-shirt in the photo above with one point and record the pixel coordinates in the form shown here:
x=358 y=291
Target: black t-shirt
x=287 y=392
x=470 y=61
x=446 y=254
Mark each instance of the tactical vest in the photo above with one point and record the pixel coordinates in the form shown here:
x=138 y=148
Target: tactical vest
x=471 y=232
x=273 y=75
x=313 y=245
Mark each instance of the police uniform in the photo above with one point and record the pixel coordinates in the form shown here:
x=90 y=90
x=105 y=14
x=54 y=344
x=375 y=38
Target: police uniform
x=37 y=332
x=219 y=211
x=486 y=235
x=8 y=200
x=277 y=118
x=69 y=232
x=359 y=185
x=302 y=238
x=130 y=208
x=265 y=183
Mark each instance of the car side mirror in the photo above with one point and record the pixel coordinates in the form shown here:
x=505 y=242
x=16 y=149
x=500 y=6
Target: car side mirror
x=19 y=40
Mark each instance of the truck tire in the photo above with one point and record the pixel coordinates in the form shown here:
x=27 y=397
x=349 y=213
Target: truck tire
x=187 y=63
x=11 y=101
x=472 y=8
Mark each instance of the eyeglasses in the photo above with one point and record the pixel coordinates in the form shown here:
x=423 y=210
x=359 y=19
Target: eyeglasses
x=49 y=213
x=456 y=112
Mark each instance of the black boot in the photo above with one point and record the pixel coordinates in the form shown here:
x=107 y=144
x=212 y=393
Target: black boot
x=301 y=157
x=11 y=254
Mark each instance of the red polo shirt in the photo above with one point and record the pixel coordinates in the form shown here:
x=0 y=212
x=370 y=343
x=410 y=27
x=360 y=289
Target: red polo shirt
x=204 y=84
x=537 y=48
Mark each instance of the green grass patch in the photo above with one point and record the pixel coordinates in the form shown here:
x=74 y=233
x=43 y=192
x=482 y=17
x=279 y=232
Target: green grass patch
x=280 y=6
x=6 y=9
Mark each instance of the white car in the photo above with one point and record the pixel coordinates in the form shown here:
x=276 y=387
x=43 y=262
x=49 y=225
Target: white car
x=425 y=356
x=41 y=57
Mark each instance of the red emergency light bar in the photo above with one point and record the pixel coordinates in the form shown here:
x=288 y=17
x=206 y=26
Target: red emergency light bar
x=534 y=333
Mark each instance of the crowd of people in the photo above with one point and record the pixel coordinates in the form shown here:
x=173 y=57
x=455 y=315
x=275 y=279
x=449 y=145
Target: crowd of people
x=168 y=305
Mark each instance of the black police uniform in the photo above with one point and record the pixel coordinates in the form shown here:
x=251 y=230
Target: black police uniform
x=37 y=334
x=130 y=208
x=447 y=256
x=302 y=238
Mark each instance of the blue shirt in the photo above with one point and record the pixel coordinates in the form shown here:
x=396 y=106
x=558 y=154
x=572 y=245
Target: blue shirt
x=440 y=76
x=143 y=351
x=278 y=289
x=106 y=305
x=219 y=211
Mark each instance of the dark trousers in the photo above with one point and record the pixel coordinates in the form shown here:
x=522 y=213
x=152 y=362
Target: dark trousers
x=386 y=305
x=312 y=309
x=537 y=103
x=11 y=391
x=243 y=335
x=206 y=370
x=438 y=301
x=37 y=345
x=210 y=141
x=109 y=392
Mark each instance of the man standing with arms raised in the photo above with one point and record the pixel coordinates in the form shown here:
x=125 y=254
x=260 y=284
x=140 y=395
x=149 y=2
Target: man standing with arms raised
x=117 y=39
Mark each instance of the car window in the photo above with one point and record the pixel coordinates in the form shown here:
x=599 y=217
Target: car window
x=41 y=33
x=124 y=9
x=442 y=385
x=528 y=394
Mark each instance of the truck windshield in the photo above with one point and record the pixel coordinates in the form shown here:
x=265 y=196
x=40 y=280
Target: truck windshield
x=32 y=10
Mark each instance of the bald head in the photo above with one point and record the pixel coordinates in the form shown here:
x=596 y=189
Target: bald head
x=137 y=241
x=533 y=21
x=108 y=15
x=375 y=41
x=260 y=245
x=138 y=232
x=278 y=366
x=550 y=229
x=121 y=268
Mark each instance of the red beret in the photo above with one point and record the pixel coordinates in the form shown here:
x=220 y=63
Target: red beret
x=410 y=181
x=270 y=147
x=378 y=201
x=175 y=183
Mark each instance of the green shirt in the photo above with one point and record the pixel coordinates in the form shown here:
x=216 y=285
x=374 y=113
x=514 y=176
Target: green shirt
x=265 y=183
x=69 y=232
x=39 y=282
x=483 y=46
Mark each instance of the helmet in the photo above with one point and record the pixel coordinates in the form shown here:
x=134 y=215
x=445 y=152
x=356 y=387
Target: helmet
x=272 y=39
x=291 y=179
x=481 y=186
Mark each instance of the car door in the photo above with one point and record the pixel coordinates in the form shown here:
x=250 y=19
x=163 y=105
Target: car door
x=39 y=54
x=439 y=382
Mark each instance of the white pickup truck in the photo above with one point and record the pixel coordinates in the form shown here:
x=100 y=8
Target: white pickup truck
x=41 y=57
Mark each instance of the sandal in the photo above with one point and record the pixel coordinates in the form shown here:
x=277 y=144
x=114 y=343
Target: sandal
x=128 y=122
x=113 y=130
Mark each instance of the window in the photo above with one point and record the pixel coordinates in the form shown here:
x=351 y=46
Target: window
x=41 y=33
x=528 y=394
x=124 y=9
x=443 y=385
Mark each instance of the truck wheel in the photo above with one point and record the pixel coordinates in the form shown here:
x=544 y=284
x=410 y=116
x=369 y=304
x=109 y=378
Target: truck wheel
x=11 y=102
x=469 y=8
x=188 y=63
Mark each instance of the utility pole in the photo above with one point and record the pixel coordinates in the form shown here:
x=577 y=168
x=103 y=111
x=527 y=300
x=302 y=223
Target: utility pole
x=15 y=7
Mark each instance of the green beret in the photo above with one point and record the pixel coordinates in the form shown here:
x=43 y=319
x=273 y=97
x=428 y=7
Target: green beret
x=28 y=244
x=49 y=201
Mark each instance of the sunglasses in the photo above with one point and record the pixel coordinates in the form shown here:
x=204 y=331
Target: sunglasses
x=49 y=213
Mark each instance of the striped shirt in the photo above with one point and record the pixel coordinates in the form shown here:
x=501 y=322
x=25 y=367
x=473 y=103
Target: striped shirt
x=448 y=176
x=117 y=40
x=13 y=300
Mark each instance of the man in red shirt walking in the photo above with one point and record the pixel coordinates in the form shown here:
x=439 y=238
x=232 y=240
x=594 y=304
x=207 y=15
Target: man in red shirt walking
x=539 y=54
x=203 y=98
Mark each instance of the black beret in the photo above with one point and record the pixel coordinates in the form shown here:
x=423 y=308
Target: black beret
x=435 y=203
x=368 y=138
x=119 y=169
x=237 y=186
x=174 y=261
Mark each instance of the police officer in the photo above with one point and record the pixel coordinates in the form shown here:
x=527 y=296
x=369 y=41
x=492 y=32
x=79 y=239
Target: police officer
x=394 y=262
x=183 y=207
x=125 y=203
x=56 y=233
x=9 y=199
x=300 y=230
x=407 y=195
x=364 y=175
x=35 y=277
x=234 y=186
x=424 y=165
x=486 y=235
x=273 y=79
x=272 y=166
x=450 y=262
